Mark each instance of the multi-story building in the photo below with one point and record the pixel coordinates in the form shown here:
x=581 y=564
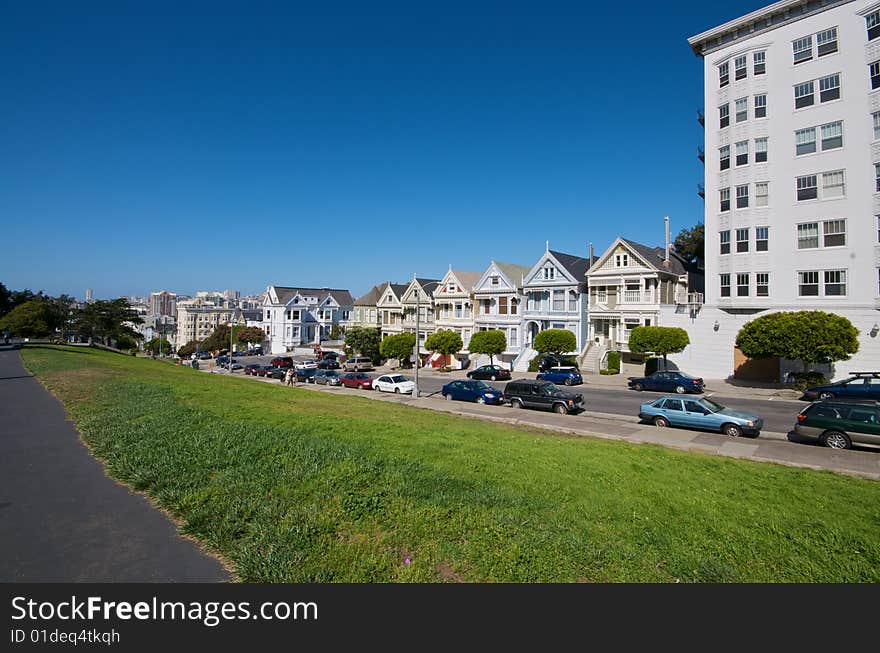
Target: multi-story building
x=366 y=311
x=163 y=303
x=792 y=174
x=454 y=304
x=390 y=308
x=498 y=299
x=299 y=316
x=197 y=319
x=419 y=297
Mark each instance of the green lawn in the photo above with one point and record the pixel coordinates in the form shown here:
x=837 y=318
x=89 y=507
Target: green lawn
x=292 y=485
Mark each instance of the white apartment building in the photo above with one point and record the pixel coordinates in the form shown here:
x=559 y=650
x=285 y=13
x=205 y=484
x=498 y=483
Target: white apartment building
x=792 y=174
x=197 y=319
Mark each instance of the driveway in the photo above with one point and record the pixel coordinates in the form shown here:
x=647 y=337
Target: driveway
x=61 y=518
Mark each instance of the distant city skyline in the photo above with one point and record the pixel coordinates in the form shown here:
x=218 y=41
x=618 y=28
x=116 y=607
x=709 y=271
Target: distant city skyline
x=197 y=150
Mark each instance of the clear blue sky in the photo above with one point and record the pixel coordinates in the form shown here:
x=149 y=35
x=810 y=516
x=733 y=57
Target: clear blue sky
x=136 y=141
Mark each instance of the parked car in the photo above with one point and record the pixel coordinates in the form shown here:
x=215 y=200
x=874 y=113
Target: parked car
x=839 y=424
x=264 y=370
x=277 y=373
x=250 y=368
x=256 y=351
x=548 y=361
x=860 y=385
x=397 y=383
x=203 y=355
x=309 y=364
x=282 y=361
x=326 y=377
x=358 y=364
x=566 y=375
x=357 y=380
x=329 y=364
x=667 y=381
x=700 y=413
x=305 y=374
x=526 y=393
x=489 y=373
x=234 y=365
x=478 y=391
x=221 y=360
x=323 y=355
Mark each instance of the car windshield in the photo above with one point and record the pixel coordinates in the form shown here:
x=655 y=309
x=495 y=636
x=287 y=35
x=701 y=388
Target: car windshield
x=711 y=405
x=399 y=379
x=686 y=376
x=481 y=385
x=550 y=388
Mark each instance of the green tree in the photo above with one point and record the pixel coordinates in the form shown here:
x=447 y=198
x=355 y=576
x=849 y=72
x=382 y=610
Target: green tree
x=444 y=342
x=361 y=341
x=106 y=320
x=152 y=346
x=658 y=340
x=219 y=339
x=555 y=341
x=125 y=341
x=188 y=349
x=400 y=346
x=32 y=319
x=249 y=335
x=808 y=336
x=690 y=244
x=335 y=332
x=492 y=343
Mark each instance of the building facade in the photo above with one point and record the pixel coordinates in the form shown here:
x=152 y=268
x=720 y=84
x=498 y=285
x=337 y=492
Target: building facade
x=366 y=312
x=294 y=317
x=418 y=298
x=498 y=300
x=792 y=173
x=163 y=303
x=454 y=304
x=390 y=308
x=197 y=319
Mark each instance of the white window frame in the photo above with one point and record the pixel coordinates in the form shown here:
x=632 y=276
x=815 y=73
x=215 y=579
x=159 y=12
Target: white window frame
x=830 y=83
x=759 y=59
x=762 y=198
x=872 y=24
x=804 y=280
x=832 y=229
x=837 y=278
x=723 y=74
x=829 y=189
x=723 y=196
x=742 y=239
x=802 y=49
x=805 y=182
x=762 y=235
x=830 y=131
x=724 y=282
x=621 y=260
x=805 y=141
x=876 y=119
x=724 y=114
x=724 y=156
x=761 y=148
x=807 y=233
x=737 y=68
x=742 y=193
x=762 y=281
x=760 y=103
x=826 y=38
x=723 y=239
x=740 y=276
x=742 y=153
x=741 y=109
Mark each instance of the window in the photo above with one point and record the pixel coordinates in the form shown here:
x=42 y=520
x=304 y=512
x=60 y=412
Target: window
x=808 y=235
x=723 y=116
x=602 y=294
x=723 y=74
x=876 y=117
x=873 y=24
x=808 y=284
x=762 y=284
x=762 y=239
x=832 y=136
x=742 y=109
x=762 y=193
x=502 y=305
x=829 y=88
x=724 y=157
x=725 y=285
x=759 y=63
x=802 y=49
x=742 y=153
x=740 y=67
x=760 y=150
x=877 y=177
x=742 y=197
x=826 y=42
x=805 y=141
x=558 y=300
x=572 y=301
x=807 y=188
x=512 y=340
x=834 y=233
x=742 y=240
x=494 y=281
x=621 y=260
x=725 y=241
x=803 y=95
x=832 y=184
x=725 y=199
x=761 y=106
x=874 y=70
x=549 y=273
x=742 y=284
x=487 y=306
x=835 y=283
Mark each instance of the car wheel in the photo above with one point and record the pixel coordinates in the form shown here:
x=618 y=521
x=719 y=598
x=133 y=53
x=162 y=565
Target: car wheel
x=560 y=409
x=516 y=403
x=447 y=397
x=661 y=421
x=397 y=391
x=568 y=382
x=492 y=378
x=679 y=389
x=836 y=440
x=480 y=400
x=732 y=430
x=826 y=395
x=638 y=387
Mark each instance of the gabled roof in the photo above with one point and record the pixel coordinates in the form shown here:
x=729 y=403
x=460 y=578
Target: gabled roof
x=428 y=285
x=514 y=273
x=575 y=265
x=397 y=290
x=371 y=297
x=467 y=279
x=286 y=293
x=655 y=255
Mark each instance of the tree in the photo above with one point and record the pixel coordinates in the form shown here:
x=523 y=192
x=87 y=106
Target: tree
x=361 y=341
x=400 y=346
x=106 y=320
x=444 y=342
x=219 y=339
x=808 y=336
x=335 y=332
x=690 y=244
x=658 y=340
x=188 y=349
x=491 y=343
x=32 y=319
x=152 y=346
x=555 y=341
x=249 y=335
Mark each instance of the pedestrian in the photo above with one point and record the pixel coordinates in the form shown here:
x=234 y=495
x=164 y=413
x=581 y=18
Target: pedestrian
x=288 y=376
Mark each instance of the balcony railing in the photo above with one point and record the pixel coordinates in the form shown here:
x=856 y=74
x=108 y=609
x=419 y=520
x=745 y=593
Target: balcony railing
x=637 y=297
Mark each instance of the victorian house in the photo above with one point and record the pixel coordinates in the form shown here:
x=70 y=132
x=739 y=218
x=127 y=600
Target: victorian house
x=454 y=306
x=390 y=308
x=419 y=298
x=300 y=316
x=366 y=311
x=498 y=301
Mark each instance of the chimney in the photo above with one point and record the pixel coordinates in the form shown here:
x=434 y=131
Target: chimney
x=666 y=248
x=591 y=254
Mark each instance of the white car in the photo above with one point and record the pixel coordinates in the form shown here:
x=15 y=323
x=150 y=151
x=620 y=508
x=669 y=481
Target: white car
x=394 y=383
x=310 y=364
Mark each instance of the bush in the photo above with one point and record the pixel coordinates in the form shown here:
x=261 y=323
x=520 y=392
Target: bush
x=614 y=361
x=608 y=371
x=533 y=364
x=804 y=380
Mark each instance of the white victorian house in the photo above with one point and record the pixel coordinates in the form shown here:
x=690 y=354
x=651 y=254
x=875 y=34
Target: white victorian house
x=627 y=286
x=555 y=290
x=390 y=308
x=299 y=316
x=454 y=306
x=498 y=300
x=419 y=297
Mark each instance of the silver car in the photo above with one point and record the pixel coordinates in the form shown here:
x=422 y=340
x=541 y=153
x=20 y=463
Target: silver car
x=358 y=364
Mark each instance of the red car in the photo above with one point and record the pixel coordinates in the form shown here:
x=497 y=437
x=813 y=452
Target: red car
x=357 y=380
x=282 y=361
x=263 y=370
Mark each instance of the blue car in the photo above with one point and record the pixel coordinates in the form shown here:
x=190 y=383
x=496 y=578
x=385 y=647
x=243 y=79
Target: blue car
x=672 y=381
x=565 y=375
x=862 y=385
x=477 y=391
x=700 y=413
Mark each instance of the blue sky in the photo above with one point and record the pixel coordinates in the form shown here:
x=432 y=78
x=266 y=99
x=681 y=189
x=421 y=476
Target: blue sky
x=233 y=145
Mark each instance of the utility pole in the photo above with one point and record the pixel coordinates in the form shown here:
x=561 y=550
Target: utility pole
x=418 y=306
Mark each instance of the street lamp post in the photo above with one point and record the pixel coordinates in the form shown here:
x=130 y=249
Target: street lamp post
x=416 y=386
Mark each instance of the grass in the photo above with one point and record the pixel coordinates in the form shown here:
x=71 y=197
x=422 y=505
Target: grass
x=293 y=485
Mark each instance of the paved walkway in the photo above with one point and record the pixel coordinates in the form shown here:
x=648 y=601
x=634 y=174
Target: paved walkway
x=61 y=518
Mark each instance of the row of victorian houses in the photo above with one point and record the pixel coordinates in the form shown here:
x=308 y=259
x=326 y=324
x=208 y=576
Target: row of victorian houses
x=598 y=298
